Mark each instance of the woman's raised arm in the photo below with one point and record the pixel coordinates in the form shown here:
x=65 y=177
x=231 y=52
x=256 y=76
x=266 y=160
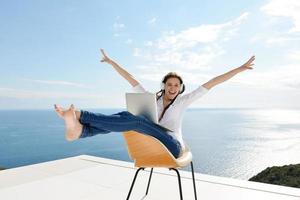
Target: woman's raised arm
x=224 y=77
x=119 y=69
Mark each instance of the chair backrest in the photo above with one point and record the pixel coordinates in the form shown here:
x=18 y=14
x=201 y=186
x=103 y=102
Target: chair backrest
x=147 y=151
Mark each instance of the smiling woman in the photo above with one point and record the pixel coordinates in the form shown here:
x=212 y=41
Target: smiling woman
x=171 y=105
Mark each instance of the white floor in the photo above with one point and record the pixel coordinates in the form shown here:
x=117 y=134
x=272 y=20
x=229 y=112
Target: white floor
x=88 y=177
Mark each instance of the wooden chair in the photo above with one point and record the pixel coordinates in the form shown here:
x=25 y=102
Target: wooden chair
x=147 y=151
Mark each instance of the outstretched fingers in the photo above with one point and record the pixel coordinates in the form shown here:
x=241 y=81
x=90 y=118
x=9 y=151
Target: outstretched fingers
x=251 y=60
x=249 y=63
x=103 y=53
x=105 y=57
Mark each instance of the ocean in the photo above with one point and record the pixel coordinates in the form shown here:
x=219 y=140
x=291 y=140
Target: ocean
x=236 y=143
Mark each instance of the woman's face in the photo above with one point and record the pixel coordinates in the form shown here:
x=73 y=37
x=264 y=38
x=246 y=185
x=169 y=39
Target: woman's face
x=172 y=88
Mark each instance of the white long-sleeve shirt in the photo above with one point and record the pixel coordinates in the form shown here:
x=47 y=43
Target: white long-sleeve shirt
x=173 y=116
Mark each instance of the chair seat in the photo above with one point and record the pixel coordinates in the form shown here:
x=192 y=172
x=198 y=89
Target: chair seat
x=184 y=159
x=147 y=151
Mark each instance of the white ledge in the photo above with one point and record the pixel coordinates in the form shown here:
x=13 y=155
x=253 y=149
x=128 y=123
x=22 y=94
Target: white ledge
x=88 y=177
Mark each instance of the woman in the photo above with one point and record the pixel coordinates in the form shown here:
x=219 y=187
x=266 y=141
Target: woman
x=171 y=105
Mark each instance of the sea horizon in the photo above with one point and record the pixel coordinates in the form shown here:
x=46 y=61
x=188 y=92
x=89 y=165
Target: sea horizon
x=244 y=142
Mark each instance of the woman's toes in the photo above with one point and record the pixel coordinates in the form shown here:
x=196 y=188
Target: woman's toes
x=57 y=107
x=58 y=110
x=72 y=107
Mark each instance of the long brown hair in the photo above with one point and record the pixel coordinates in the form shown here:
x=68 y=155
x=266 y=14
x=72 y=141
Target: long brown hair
x=161 y=93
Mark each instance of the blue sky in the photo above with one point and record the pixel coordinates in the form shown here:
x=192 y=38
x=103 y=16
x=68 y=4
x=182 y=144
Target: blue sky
x=50 y=51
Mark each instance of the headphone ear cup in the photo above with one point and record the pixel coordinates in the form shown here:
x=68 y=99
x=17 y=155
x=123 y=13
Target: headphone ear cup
x=162 y=86
x=182 y=88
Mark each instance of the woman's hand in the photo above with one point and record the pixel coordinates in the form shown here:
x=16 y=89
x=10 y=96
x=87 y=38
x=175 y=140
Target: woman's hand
x=248 y=64
x=224 y=77
x=119 y=69
x=105 y=57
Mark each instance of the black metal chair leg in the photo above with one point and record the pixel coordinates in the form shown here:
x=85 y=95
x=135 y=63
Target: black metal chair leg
x=179 y=182
x=194 y=182
x=178 y=176
x=132 y=184
x=149 y=181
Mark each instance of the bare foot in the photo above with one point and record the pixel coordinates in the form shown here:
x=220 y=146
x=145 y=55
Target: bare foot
x=73 y=127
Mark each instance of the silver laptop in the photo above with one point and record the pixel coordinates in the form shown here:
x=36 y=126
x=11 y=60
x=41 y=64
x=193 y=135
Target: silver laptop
x=143 y=104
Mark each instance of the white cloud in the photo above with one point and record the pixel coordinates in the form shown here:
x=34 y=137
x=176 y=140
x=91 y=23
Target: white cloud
x=280 y=40
x=128 y=41
x=282 y=8
x=29 y=94
x=152 y=21
x=188 y=59
x=255 y=38
x=56 y=82
x=136 y=52
x=279 y=77
x=192 y=49
x=294 y=55
x=149 y=43
x=283 y=23
x=118 y=28
x=204 y=34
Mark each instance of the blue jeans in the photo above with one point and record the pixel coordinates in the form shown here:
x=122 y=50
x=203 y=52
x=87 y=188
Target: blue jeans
x=96 y=123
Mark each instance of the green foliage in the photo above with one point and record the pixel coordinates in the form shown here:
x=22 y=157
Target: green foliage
x=287 y=175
